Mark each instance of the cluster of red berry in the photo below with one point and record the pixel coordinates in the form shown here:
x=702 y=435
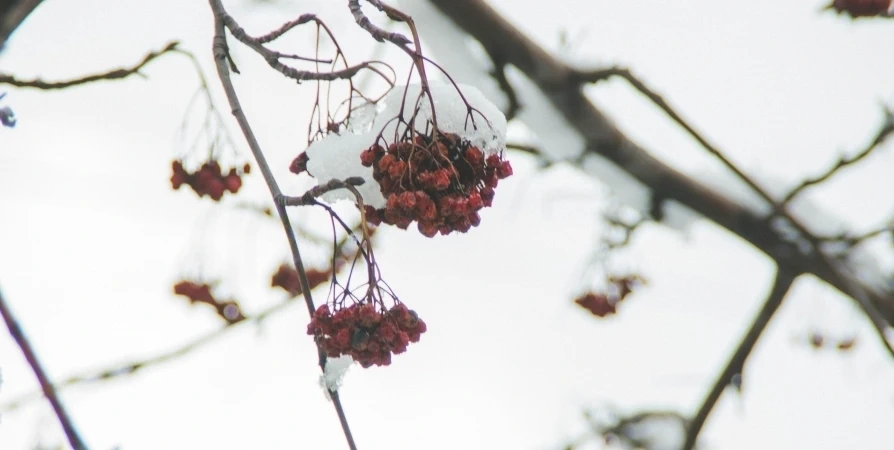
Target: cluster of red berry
x=368 y=335
x=862 y=8
x=602 y=304
x=287 y=278
x=441 y=182
x=229 y=310
x=209 y=179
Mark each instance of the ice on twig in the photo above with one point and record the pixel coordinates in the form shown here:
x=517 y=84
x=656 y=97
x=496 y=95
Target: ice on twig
x=332 y=377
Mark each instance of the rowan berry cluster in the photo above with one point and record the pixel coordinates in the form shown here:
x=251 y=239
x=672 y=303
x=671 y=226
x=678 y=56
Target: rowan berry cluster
x=209 y=179
x=367 y=333
x=440 y=182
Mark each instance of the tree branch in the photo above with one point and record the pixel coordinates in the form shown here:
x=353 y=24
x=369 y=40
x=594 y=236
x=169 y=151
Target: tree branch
x=221 y=58
x=835 y=269
x=560 y=84
x=273 y=57
x=74 y=439
x=736 y=363
x=12 y=14
x=116 y=74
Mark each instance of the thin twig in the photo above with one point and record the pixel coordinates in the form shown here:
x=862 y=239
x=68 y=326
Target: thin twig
x=883 y=133
x=851 y=239
x=221 y=58
x=116 y=74
x=74 y=439
x=273 y=57
x=308 y=198
x=781 y=286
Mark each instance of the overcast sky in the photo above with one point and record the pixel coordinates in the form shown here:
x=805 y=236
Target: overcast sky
x=92 y=238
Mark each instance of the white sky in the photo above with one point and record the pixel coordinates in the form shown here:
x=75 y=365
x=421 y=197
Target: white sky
x=92 y=238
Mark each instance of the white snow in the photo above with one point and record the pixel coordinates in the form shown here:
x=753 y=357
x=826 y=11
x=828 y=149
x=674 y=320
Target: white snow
x=332 y=377
x=338 y=156
x=657 y=431
x=484 y=128
x=556 y=138
x=626 y=188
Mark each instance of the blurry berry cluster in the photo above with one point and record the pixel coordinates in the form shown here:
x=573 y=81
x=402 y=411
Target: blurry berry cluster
x=604 y=303
x=197 y=292
x=862 y=8
x=287 y=278
x=208 y=179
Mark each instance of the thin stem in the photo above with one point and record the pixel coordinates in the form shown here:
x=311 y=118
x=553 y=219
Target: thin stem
x=221 y=58
x=781 y=286
x=74 y=439
x=881 y=135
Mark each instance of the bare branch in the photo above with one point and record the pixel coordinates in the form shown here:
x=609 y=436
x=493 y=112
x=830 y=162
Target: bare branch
x=221 y=57
x=273 y=57
x=883 y=133
x=736 y=363
x=74 y=439
x=116 y=74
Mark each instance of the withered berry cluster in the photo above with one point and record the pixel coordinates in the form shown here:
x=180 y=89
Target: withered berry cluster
x=370 y=336
x=209 y=179
x=441 y=183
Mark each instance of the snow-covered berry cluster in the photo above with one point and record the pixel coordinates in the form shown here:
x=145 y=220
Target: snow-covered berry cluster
x=209 y=179
x=367 y=333
x=441 y=182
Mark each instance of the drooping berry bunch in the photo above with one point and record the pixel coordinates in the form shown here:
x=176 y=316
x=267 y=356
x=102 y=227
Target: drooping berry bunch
x=439 y=181
x=209 y=179
x=368 y=333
